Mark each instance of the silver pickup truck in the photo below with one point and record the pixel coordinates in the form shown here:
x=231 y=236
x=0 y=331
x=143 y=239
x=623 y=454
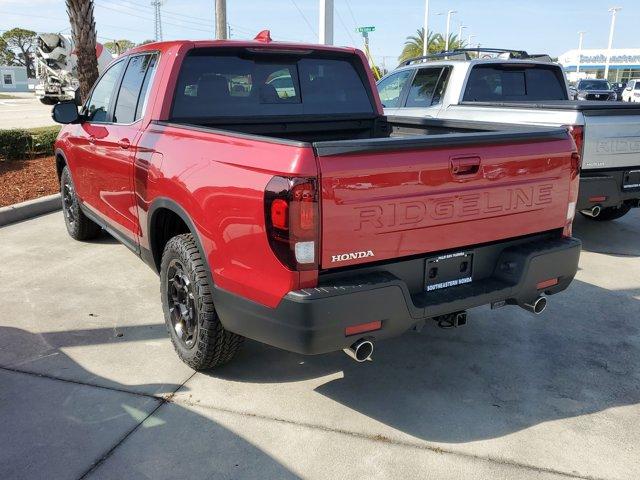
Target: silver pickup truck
x=513 y=87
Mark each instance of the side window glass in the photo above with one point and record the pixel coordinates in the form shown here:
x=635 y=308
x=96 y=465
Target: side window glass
x=143 y=99
x=391 y=88
x=97 y=107
x=283 y=84
x=130 y=92
x=423 y=87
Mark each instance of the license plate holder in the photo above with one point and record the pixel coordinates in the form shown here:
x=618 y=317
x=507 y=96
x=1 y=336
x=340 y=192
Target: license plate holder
x=631 y=180
x=448 y=270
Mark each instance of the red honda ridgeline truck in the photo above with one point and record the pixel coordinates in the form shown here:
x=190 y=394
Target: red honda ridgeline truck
x=263 y=183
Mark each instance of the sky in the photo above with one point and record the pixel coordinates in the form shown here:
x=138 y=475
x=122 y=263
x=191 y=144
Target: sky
x=542 y=26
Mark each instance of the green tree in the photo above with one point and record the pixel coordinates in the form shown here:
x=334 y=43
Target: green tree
x=119 y=46
x=435 y=42
x=83 y=31
x=7 y=57
x=19 y=44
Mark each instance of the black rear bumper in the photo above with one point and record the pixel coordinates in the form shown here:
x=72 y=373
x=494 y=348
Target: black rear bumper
x=313 y=321
x=604 y=183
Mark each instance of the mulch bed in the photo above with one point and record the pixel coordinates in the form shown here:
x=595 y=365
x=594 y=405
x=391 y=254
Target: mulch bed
x=22 y=180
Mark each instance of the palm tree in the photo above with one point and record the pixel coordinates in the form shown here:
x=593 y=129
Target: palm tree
x=436 y=43
x=83 y=31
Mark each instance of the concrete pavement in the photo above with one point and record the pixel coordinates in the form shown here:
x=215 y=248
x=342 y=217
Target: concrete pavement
x=25 y=111
x=90 y=386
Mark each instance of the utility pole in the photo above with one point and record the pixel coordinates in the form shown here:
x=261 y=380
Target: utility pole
x=446 y=41
x=425 y=41
x=580 y=39
x=158 y=19
x=614 y=11
x=325 y=26
x=221 y=19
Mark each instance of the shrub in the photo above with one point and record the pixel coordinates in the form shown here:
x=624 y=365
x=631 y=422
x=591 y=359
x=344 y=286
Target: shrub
x=14 y=144
x=43 y=140
x=19 y=144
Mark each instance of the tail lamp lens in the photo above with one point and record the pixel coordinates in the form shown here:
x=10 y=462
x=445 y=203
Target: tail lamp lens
x=291 y=214
x=577 y=133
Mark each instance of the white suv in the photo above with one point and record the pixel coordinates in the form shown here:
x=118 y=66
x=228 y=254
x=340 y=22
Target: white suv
x=632 y=91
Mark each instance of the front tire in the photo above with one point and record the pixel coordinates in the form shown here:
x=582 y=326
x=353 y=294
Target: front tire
x=196 y=332
x=78 y=225
x=611 y=213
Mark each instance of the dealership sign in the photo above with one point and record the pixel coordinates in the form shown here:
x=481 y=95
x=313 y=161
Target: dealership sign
x=619 y=56
x=618 y=59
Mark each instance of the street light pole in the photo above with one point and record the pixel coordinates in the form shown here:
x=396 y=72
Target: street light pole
x=446 y=41
x=614 y=11
x=462 y=27
x=581 y=38
x=425 y=40
x=469 y=40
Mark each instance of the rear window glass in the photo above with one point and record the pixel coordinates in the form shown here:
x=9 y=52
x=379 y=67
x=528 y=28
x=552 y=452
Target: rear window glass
x=491 y=83
x=243 y=84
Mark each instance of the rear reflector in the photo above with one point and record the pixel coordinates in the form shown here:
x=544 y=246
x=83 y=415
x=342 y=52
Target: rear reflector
x=601 y=198
x=363 y=327
x=547 y=283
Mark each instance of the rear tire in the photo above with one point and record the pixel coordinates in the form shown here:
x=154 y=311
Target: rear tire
x=78 y=225
x=48 y=101
x=196 y=332
x=610 y=213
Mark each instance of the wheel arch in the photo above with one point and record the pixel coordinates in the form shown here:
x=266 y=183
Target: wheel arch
x=161 y=211
x=61 y=162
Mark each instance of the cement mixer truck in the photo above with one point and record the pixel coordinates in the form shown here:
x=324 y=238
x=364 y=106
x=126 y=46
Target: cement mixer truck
x=56 y=67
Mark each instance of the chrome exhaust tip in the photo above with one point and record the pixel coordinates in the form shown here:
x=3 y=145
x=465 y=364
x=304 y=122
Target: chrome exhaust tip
x=593 y=211
x=360 y=351
x=538 y=306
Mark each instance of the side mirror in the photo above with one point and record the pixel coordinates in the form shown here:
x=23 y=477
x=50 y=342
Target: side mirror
x=65 y=112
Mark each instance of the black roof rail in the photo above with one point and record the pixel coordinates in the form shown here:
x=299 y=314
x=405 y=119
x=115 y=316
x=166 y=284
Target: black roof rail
x=433 y=56
x=465 y=54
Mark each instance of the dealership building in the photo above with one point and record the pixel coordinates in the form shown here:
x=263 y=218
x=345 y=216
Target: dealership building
x=624 y=63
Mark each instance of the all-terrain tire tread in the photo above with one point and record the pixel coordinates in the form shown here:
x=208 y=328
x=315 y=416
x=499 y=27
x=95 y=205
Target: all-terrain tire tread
x=215 y=345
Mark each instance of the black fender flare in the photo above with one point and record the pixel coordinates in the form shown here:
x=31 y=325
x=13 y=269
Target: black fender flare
x=60 y=154
x=169 y=204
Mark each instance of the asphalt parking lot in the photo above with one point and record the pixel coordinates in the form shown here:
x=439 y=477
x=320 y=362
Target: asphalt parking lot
x=90 y=386
x=24 y=111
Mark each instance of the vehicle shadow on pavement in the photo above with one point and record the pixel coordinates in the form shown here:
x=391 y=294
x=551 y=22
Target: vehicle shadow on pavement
x=600 y=237
x=505 y=372
x=54 y=428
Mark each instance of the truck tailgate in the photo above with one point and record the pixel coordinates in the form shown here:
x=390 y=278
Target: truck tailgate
x=398 y=198
x=611 y=139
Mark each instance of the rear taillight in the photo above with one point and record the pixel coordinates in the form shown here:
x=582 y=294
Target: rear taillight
x=577 y=133
x=292 y=221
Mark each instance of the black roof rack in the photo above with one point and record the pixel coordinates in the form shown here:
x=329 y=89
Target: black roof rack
x=466 y=54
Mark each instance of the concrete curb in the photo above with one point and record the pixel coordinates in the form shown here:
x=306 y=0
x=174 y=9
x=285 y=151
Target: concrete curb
x=29 y=209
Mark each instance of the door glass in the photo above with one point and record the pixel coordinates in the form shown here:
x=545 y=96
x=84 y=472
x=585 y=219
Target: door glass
x=97 y=108
x=423 y=87
x=130 y=89
x=390 y=88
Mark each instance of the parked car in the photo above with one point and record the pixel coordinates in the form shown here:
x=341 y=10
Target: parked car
x=618 y=88
x=524 y=90
x=631 y=93
x=311 y=222
x=594 y=89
